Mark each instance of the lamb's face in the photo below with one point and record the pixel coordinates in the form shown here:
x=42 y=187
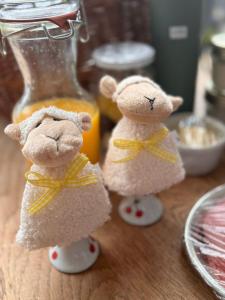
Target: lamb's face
x=140 y=99
x=53 y=142
x=144 y=102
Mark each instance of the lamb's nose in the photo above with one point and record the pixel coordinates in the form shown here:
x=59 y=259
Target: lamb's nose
x=55 y=138
x=151 y=101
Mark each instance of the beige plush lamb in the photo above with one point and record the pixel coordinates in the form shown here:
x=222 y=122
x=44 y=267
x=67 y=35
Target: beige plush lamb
x=142 y=157
x=64 y=199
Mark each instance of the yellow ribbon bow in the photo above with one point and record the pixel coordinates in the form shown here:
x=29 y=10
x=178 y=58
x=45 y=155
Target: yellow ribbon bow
x=151 y=145
x=71 y=180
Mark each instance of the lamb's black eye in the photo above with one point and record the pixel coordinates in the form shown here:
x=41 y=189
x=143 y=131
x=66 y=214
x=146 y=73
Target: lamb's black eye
x=55 y=119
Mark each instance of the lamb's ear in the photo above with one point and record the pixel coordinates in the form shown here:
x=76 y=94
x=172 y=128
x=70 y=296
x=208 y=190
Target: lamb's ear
x=85 y=120
x=176 y=101
x=107 y=86
x=13 y=131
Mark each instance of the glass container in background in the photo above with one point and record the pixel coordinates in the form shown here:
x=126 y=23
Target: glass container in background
x=215 y=93
x=218 y=56
x=213 y=20
x=120 y=60
x=43 y=36
x=111 y=22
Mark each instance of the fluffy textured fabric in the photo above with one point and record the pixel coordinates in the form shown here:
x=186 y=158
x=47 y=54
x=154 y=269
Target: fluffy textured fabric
x=27 y=125
x=146 y=174
x=74 y=213
x=144 y=106
x=140 y=99
x=132 y=80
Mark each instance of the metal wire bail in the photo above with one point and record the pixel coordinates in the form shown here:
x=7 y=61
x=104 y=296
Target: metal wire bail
x=69 y=25
x=84 y=35
x=72 y=26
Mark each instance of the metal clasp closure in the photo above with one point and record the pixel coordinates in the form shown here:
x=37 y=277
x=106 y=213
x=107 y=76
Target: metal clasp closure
x=80 y=22
x=68 y=22
x=84 y=36
x=64 y=36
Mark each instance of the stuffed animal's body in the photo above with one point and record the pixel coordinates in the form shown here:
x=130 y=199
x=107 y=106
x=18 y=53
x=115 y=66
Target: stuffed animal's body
x=146 y=173
x=73 y=214
x=142 y=157
x=64 y=198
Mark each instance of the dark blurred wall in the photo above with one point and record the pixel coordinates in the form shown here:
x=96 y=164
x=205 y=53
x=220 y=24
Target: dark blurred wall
x=176 y=26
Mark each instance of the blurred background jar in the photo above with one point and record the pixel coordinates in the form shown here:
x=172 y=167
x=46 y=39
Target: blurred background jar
x=43 y=37
x=119 y=60
x=218 y=57
x=215 y=92
x=112 y=22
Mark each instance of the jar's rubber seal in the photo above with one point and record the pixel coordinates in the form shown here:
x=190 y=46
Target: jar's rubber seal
x=60 y=20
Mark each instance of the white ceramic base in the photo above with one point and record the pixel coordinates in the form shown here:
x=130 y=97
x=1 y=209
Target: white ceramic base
x=76 y=258
x=141 y=211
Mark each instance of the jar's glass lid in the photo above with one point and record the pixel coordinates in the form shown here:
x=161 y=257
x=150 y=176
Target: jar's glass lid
x=124 y=56
x=29 y=10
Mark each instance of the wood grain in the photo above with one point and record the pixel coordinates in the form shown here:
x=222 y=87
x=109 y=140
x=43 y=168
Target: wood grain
x=136 y=263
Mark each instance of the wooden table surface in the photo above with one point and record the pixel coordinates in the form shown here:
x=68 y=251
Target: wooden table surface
x=135 y=264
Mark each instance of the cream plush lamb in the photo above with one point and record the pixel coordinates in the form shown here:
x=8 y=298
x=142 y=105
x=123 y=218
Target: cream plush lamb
x=142 y=157
x=64 y=199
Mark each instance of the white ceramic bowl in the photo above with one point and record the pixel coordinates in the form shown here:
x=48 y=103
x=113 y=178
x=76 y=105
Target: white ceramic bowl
x=200 y=161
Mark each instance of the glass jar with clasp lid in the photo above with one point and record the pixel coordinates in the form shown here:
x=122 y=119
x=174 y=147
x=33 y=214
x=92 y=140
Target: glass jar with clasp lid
x=43 y=36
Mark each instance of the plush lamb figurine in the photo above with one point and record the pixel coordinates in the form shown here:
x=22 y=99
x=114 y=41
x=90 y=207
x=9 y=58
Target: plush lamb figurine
x=64 y=199
x=142 y=158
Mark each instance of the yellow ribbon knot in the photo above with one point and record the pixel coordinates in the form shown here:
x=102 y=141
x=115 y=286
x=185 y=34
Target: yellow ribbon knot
x=152 y=145
x=70 y=180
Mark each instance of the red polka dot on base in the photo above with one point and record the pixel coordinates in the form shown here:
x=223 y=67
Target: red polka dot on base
x=139 y=213
x=54 y=255
x=128 y=210
x=92 y=248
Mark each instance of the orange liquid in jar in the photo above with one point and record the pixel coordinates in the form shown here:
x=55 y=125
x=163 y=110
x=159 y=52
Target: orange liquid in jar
x=109 y=108
x=91 y=138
